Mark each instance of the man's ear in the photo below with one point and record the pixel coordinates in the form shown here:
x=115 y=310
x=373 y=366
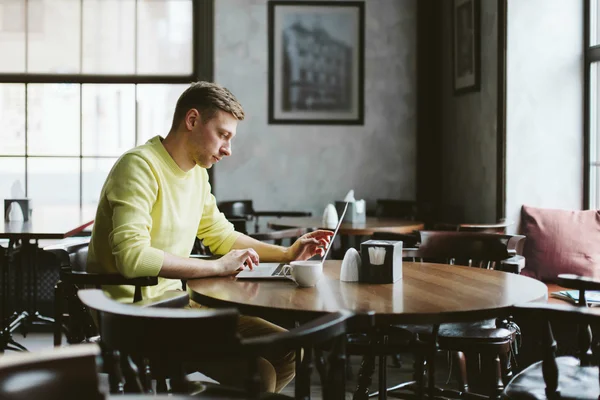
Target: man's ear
x=192 y=117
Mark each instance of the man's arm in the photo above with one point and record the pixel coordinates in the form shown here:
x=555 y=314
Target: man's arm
x=305 y=247
x=175 y=267
x=266 y=252
x=245 y=252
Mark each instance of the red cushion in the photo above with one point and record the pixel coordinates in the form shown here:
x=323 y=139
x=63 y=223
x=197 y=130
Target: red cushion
x=560 y=242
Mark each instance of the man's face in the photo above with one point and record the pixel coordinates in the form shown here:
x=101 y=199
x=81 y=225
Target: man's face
x=211 y=140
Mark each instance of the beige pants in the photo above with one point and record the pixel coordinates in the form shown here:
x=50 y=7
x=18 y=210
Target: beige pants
x=276 y=369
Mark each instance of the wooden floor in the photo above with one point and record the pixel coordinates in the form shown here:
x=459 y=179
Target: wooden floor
x=396 y=374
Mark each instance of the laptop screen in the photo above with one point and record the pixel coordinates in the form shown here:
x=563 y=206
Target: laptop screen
x=335 y=232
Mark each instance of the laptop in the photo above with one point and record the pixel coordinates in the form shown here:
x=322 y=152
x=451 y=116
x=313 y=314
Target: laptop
x=275 y=270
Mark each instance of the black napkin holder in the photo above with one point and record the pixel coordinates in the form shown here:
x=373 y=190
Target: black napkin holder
x=371 y=271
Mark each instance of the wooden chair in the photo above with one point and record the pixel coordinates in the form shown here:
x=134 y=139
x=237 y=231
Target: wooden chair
x=496 y=227
x=71 y=373
x=170 y=338
x=70 y=316
x=559 y=377
x=244 y=209
x=60 y=373
x=488 y=338
x=392 y=208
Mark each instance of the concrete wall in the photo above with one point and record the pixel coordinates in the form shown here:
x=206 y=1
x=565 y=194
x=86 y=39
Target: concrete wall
x=305 y=167
x=544 y=105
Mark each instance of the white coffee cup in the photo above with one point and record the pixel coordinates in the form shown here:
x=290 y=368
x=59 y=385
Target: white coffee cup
x=304 y=273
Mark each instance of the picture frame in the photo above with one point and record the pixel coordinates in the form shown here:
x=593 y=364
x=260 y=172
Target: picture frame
x=316 y=62
x=466 y=42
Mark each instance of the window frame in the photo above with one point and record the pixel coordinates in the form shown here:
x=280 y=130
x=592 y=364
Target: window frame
x=202 y=69
x=591 y=55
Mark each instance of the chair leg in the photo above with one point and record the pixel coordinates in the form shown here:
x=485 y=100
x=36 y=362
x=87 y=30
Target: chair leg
x=112 y=366
x=382 y=377
x=507 y=368
x=302 y=388
x=498 y=385
x=364 y=380
x=336 y=381
x=461 y=367
x=419 y=377
x=58 y=313
x=491 y=374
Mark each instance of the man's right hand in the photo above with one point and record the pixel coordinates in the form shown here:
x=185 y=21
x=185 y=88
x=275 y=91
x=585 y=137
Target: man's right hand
x=235 y=260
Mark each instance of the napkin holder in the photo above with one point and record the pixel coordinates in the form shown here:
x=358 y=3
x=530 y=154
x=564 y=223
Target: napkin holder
x=9 y=211
x=381 y=261
x=352 y=215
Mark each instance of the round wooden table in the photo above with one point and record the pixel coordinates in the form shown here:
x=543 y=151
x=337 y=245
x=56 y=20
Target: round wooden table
x=428 y=293
x=368 y=227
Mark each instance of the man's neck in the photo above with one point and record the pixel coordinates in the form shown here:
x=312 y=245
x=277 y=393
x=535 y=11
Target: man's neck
x=175 y=146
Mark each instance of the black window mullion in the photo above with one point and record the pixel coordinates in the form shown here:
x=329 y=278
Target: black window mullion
x=99 y=79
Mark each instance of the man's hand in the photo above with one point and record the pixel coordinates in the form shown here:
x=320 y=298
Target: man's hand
x=310 y=244
x=233 y=261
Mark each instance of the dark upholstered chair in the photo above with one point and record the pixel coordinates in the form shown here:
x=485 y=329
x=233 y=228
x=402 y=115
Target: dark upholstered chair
x=559 y=377
x=244 y=210
x=169 y=339
x=71 y=317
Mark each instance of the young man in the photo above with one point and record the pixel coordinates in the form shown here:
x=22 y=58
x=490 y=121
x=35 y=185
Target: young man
x=156 y=200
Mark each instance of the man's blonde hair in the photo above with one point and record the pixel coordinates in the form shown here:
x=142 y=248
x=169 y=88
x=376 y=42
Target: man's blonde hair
x=207 y=98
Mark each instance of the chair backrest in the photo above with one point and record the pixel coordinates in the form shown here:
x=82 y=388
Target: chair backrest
x=172 y=337
x=483 y=250
x=71 y=254
x=61 y=373
x=167 y=332
x=392 y=208
x=494 y=227
x=236 y=208
x=544 y=315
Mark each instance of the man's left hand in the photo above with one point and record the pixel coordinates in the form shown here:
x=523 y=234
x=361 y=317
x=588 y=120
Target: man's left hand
x=309 y=245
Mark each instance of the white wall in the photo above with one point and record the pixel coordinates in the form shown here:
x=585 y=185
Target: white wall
x=306 y=167
x=544 y=150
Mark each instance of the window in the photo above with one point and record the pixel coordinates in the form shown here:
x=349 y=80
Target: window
x=87 y=80
x=592 y=104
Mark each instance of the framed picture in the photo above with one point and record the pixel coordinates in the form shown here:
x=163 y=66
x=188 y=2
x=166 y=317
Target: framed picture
x=316 y=62
x=466 y=45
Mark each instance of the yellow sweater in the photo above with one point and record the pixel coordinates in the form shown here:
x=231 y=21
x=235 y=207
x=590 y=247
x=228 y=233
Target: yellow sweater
x=149 y=206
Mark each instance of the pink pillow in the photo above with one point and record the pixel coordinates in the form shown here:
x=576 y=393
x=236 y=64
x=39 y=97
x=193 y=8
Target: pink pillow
x=560 y=242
